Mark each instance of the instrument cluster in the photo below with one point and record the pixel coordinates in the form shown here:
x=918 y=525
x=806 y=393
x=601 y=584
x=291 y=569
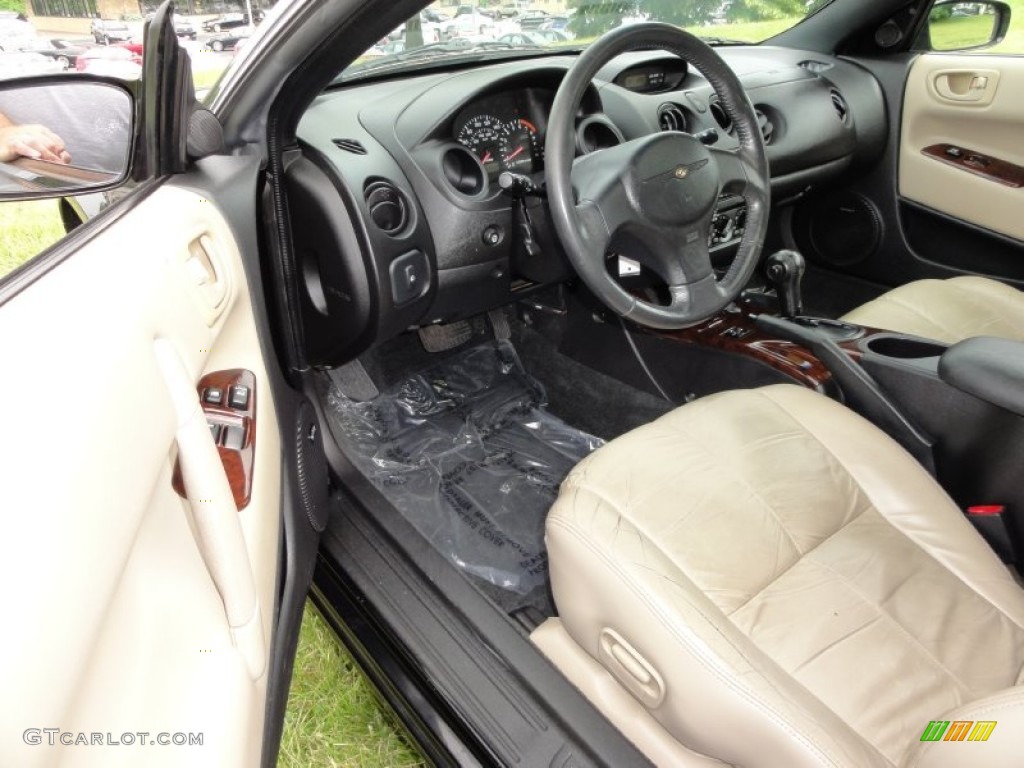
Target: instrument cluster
x=506 y=131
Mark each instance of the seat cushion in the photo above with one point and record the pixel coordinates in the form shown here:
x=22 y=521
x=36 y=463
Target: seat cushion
x=947 y=310
x=780 y=583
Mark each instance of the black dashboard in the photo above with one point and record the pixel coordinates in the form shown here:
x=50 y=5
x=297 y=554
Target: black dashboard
x=398 y=218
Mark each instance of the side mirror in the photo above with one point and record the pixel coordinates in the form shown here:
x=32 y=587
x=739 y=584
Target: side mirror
x=64 y=135
x=954 y=26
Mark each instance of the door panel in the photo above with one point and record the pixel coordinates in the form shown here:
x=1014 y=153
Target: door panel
x=961 y=143
x=117 y=589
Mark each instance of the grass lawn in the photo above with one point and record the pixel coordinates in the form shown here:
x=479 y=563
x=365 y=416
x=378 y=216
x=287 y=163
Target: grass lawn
x=333 y=716
x=27 y=229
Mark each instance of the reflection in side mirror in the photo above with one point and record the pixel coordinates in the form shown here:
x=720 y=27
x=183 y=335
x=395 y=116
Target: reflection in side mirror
x=955 y=26
x=63 y=137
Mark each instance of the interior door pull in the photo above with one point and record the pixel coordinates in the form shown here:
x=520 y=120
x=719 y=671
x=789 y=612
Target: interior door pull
x=219 y=531
x=965 y=86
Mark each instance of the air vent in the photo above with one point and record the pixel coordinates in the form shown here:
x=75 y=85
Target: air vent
x=767 y=126
x=671 y=117
x=350 y=145
x=387 y=205
x=721 y=116
x=597 y=132
x=463 y=171
x=839 y=104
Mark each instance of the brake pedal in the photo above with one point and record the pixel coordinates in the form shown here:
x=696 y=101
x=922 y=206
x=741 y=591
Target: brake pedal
x=439 y=338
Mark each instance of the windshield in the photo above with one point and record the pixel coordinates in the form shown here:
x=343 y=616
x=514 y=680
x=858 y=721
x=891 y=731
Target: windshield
x=504 y=27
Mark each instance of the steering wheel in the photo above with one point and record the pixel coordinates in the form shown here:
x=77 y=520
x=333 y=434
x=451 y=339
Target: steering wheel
x=660 y=190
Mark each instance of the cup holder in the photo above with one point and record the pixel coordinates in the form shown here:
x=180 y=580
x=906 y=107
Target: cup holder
x=904 y=348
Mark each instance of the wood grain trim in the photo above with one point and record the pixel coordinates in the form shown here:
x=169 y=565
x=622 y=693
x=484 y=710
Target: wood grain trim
x=238 y=463
x=736 y=332
x=977 y=163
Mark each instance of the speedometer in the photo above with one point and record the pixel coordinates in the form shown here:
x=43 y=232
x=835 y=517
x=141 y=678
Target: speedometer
x=485 y=136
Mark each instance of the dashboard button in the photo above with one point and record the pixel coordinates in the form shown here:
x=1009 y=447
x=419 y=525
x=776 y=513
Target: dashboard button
x=493 y=235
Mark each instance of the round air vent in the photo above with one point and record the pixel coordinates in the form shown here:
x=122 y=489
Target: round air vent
x=597 y=132
x=463 y=171
x=387 y=205
x=766 y=125
x=721 y=116
x=671 y=117
x=839 y=105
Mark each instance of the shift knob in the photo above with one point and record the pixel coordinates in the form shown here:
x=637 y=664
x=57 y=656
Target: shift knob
x=785 y=269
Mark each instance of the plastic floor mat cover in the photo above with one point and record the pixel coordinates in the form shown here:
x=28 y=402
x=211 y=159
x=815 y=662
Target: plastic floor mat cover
x=465 y=451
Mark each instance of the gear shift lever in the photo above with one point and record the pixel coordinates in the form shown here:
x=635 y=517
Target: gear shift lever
x=785 y=269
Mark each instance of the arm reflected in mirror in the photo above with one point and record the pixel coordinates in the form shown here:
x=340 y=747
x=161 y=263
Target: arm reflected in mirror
x=33 y=140
x=63 y=136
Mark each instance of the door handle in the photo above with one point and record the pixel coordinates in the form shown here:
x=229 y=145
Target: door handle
x=207 y=277
x=965 y=86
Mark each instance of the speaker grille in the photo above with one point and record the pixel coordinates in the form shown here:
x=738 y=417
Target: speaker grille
x=843 y=229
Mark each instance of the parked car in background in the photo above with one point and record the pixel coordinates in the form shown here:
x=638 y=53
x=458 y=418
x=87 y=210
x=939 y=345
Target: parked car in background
x=230 y=21
x=523 y=38
x=557 y=23
x=226 y=41
x=110 y=60
x=15 y=34
x=552 y=35
x=185 y=29
x=435 y=16
x=532 y=19
x=25 y=63
x=107 y=31
x=64 y=52
x=467 y=23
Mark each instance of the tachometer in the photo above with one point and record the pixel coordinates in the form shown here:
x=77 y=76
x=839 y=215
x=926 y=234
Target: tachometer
x=485 y=136
x=519 y=146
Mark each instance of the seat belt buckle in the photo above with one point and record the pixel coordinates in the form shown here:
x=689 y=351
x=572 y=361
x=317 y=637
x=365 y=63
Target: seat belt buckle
x=992 y=522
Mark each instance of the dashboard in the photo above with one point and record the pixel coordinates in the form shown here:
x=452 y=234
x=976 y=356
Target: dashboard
x=399 y=218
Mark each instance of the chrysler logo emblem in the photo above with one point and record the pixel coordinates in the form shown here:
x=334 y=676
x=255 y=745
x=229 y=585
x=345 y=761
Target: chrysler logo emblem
x=680 y=172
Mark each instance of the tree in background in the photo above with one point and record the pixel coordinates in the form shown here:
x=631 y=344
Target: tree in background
x=763 y=10
x=17 y=6
x=594 y=17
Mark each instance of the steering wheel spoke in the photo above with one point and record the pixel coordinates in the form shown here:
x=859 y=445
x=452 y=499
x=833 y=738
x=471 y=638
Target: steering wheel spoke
x=704 y=296
x=602 y=203
x=731 y=170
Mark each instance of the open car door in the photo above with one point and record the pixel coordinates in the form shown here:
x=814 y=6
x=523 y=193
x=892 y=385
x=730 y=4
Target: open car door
x=156 y=554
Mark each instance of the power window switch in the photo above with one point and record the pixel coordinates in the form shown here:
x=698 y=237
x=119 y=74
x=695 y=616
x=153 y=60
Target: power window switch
x=213 y=395
x=239 y=398
x=234 y=438
x=214 y=430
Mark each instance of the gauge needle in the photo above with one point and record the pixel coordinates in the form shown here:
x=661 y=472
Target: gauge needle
x=487 y=157
x=513 y=155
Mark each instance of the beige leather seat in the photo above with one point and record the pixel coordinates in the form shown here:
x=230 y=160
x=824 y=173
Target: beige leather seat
x=777 y=583
x=947 y=310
